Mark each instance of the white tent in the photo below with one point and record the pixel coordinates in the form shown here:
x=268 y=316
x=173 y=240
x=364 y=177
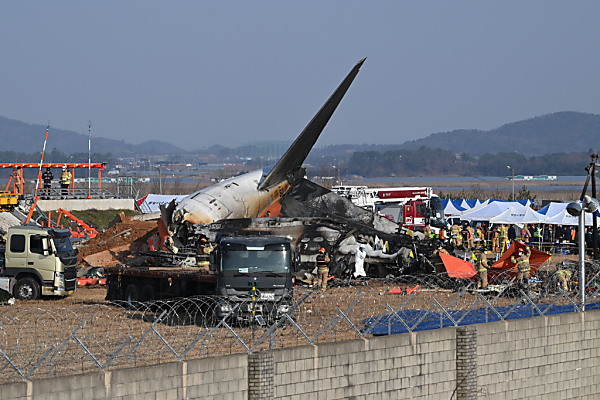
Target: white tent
x=551 y=209
x=564 y=218
x=493 y=209
x=518 y=215
x=451 y=211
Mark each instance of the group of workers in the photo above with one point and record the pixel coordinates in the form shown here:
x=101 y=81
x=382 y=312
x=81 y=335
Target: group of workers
x=65 y=180
x=561 y=277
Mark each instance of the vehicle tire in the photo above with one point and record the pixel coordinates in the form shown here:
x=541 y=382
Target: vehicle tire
x=113 y=292
x=132 y=293
x=26 y=289
x=148 y=293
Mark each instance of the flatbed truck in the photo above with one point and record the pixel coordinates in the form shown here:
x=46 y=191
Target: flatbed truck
x=254 y=272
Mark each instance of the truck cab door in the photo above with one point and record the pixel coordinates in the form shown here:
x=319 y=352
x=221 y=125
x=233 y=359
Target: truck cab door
x=16 y=256
x=37 y=257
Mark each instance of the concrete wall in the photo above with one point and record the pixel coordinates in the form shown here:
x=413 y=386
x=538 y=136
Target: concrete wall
x=554 y=357
x=413 y=366
x=217 y=378
x=86 y=204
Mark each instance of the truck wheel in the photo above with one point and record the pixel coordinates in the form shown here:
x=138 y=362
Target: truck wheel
x=26 y=289
x=148 y=293
x=113 y=292
x=131 y=293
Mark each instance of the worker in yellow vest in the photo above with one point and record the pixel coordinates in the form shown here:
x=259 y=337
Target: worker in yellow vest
x=65 y=180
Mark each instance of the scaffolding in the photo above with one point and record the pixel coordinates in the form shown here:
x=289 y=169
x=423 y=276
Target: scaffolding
x=15 y=181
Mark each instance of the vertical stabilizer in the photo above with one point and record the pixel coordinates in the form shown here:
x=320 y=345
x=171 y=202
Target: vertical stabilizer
x=298 y=151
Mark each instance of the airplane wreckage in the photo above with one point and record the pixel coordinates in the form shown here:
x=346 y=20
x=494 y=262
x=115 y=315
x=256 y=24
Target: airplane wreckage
x=279 y=201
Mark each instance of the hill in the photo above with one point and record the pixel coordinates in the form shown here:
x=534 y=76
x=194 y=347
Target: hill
x=29 y=138
x=551 y=133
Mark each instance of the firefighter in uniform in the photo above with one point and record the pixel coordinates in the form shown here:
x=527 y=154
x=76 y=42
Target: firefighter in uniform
x=47 y=178
x=503 y=236
x=470 y=236
x=496 y=239
x=523 y=269
x=563 y=277
x=525 y=234
x=322 y=268
x=203 y=254
x=427 y=231
x=482 y=267
x=18 y=181
x=480 y=235
x=456 y=236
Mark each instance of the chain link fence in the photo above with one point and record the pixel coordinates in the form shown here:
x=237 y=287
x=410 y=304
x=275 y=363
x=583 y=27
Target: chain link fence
x=38 y=342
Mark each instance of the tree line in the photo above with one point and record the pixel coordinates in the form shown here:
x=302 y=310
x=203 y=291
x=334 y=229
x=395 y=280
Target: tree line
x=437 y=162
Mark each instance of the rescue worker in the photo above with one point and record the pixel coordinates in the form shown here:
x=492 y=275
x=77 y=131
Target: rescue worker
x=482 y=267
x=456 y=236
x=203 y=254
x=496 y=239
x=322 y=268
x=479 y=235
x=503 y=237
x=522 y=262
x=427 y=231
x=470 y=236
x=47 y=177
x=563 y=277
x=65 y=180
x=525 y=234
x=537 y=234
x=18 y=182
x=359 y=261
x=439 y=250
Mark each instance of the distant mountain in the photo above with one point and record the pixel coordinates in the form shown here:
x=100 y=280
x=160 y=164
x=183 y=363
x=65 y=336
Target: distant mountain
x=552 y=133
x=29 y=138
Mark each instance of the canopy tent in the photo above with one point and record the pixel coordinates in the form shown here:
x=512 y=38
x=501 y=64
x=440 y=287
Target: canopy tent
x=493 y=209
x=518 y=215
x=525 y=202
x=551 y=209
x=451 y=210
x=564 y=218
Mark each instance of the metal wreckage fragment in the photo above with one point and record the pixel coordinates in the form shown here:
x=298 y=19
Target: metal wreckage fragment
x=314 y=217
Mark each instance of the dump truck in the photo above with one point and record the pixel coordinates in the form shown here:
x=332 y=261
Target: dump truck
x=255 y=272
x=41 y=261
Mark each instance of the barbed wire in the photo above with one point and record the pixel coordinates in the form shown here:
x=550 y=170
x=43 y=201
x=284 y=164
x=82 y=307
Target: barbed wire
x=40 y=342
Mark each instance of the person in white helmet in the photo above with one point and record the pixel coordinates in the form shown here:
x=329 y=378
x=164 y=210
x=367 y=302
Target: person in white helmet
x=65 y=180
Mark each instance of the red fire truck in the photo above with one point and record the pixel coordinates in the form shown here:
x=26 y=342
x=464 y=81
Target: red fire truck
x=413 y=207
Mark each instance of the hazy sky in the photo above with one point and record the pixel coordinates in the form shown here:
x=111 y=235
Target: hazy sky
x=199 y=73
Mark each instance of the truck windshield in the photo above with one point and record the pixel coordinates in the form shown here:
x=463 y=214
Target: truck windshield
x=62 y=244
x=270 y=258
x=437 y=217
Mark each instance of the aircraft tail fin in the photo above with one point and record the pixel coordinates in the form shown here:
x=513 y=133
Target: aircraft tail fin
x=298 y=151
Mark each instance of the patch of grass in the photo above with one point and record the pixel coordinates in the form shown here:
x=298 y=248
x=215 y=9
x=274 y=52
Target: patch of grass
x=98 y=219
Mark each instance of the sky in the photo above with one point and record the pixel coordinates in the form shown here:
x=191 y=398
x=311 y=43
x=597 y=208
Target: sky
x=199 y=73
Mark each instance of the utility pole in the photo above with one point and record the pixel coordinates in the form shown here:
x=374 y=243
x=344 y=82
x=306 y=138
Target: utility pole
x=513 y=181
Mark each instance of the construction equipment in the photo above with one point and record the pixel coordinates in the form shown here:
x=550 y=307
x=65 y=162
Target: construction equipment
x=8 y=201
x=86 y=231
